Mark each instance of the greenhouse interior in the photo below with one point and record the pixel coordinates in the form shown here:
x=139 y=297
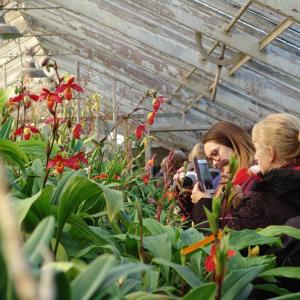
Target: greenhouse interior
x=148 y=149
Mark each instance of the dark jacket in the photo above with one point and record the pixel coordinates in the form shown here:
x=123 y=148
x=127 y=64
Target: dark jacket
x=272 y=201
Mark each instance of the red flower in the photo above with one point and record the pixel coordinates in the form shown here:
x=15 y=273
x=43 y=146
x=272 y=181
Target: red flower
x=169 y=196
x=210 y=261
x=68 y=88
x=146 y=178
x=157 y=102
x=75 y=160
x=51 y=97
x=77 y=131
x=59 y=162
x=101 y=176
x=26 y=131
x=26 y=96
x=151 y=117
x=140 y=131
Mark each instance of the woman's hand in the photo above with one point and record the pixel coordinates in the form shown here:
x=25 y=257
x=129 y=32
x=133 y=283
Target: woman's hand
x=178 y=177
x=197 y=195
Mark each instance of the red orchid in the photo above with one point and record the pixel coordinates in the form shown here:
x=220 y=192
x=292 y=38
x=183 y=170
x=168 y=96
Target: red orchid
x=101 y=176
x=157 y=102
x=59 y=162
x=140 y=131
x=151 y=117
x=77 y=130
x=146 y=179
x=51 y=97
x=68 y=88
x=26 y=131
x=210 y=261
x=26 y=96
x=75 y=160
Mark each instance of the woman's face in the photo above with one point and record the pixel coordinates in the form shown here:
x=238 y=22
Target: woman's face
x=263 y=155
x=217 y=152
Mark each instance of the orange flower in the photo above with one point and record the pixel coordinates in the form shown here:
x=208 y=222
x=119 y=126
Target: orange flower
x=169 y=196
x=101 y=176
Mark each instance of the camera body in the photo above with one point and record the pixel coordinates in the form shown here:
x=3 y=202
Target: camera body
x=209 y=178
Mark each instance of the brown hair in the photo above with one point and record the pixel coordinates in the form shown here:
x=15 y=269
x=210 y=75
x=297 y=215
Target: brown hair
x=282 y=133
x=234 y=137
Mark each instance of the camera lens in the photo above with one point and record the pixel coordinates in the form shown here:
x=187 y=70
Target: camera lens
x=187 y=182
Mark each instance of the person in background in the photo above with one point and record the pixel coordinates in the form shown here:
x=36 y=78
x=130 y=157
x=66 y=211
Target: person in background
x=221 y=142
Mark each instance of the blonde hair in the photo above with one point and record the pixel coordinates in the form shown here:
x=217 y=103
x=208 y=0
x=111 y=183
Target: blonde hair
x=197 y=151
x=282 y=133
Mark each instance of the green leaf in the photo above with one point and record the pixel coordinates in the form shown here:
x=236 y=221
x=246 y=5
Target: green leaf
x=287 y=297
x=273 y=230
x=207 y=292
x=6 y=128
x=39 y=240
x=288 y=272
x=238 y=280
x=147 y=296
x=154 y=227
x=36 y=148
x=87 y=282
x=272 y=288
x=77 y=190
x=184 y=272
x=245 y=238
x=22 y=206
x=12 y=153
x=114 y=201
x=160 y=246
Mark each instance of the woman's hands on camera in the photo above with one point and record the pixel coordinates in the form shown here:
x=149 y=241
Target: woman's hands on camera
x=197 y=194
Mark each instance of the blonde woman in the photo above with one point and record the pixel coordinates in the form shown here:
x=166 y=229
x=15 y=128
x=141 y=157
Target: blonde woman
x=276 y=197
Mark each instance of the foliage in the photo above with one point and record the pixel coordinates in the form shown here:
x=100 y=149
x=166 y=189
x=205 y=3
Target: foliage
x=108 y=225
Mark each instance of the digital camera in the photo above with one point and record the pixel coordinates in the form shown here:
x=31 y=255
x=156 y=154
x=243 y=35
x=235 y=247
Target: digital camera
x=209 y=177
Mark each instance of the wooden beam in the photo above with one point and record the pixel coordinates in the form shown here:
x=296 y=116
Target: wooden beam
x=281 y=27
x=244 y=59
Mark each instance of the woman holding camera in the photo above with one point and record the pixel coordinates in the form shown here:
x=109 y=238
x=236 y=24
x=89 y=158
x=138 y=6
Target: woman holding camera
x=221 y=142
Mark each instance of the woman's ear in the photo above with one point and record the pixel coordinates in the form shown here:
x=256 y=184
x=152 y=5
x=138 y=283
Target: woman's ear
x=272 y=154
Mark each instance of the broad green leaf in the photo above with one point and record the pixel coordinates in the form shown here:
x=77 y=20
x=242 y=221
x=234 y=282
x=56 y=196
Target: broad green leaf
x=4 y=95
x=12 y=153
x=87 y=282
x=183 y=271
x=151 y=280
x=287 y=297
x=62 y=185
x=190 y=236
x=154 y=226
x=242 y=239
x=238 y=280
x=288 y=272
x=272 y=288
x=206 y=292
x=273 y=230
x=114 y=201
x=22 y=206
x=39 y=240
x=78 y=189
x=5 y=130
x=160 y=246
x=147 y=296
x=36 y=148
x=123 y=270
